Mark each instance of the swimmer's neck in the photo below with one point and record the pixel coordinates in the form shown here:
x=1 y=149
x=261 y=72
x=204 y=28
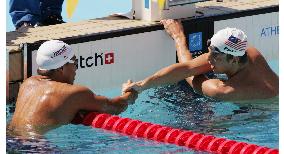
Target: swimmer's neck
x=52 y=78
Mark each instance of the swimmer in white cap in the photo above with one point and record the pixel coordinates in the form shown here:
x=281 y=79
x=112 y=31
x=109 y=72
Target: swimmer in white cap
x=50 y=99
x=249 y=75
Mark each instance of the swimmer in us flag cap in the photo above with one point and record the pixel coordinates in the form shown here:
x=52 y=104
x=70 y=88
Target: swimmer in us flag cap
x=249 y=75
x=50 y=99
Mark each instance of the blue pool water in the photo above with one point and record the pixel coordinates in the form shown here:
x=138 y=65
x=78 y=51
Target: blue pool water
x=174 y=105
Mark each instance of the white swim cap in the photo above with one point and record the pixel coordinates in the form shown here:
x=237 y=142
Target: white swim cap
x=230 y=41
x=53 y=54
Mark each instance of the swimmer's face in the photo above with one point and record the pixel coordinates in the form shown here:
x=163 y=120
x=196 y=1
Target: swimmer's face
x=217 y=60
x=70 y=70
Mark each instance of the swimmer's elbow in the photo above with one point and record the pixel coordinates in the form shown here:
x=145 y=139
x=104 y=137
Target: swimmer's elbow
x=219 y=96
x=220 y=93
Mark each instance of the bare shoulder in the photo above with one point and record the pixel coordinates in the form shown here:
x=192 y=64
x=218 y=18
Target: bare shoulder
x=81 y=94
x=76 y=95
x=34 y=84
x=33 y=79
x=254 y=54
x=253 y=51
x=79 y=90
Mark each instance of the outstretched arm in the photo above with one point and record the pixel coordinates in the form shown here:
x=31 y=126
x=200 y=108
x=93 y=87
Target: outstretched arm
x=85 y=99
x=187 y=67
x=168 y=75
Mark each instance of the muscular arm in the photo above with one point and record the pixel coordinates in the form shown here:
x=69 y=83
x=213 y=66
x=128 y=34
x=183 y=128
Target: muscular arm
x=220 y=90
x=175 y=30
x=200 y=83
x=85 y=99
x=184 y=55
x=186 y=68
x=209 y=87
x=172 y=74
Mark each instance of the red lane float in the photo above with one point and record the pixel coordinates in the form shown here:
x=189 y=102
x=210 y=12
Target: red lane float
x=170 y=135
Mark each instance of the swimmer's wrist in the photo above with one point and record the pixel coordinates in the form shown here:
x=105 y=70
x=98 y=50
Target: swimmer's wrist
x=180 y=40
x=141 y=86
x=131 y=95
x=126 y=96
x=178 y=36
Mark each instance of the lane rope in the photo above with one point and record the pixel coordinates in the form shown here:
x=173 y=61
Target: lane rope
x=171 y=135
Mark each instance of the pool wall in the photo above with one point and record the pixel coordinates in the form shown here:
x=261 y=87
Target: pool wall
x=108 y=63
